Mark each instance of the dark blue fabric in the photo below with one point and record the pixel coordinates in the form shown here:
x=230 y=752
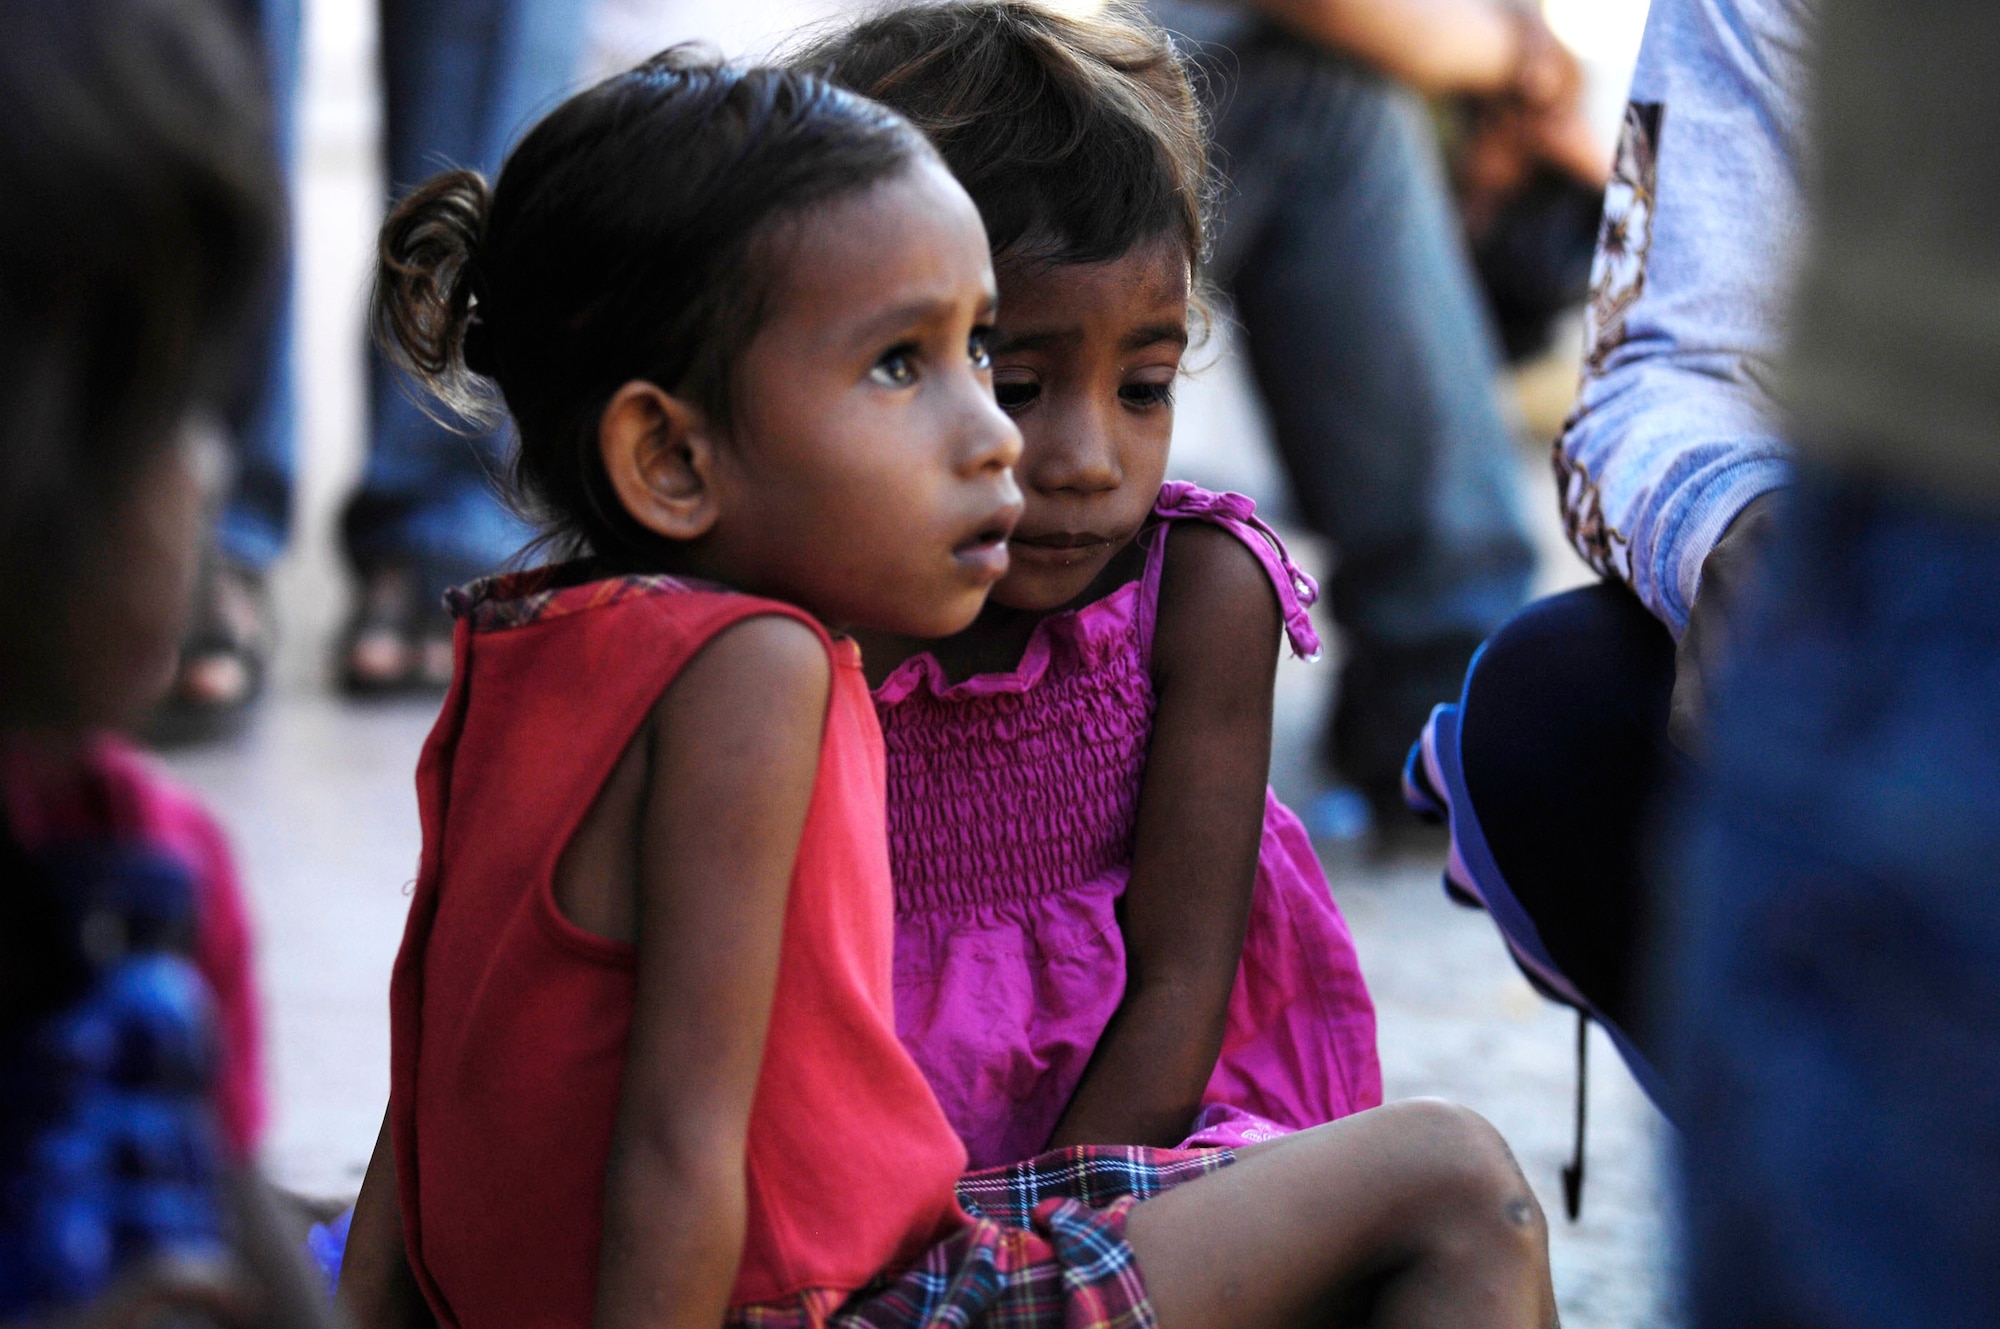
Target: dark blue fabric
x=326 y=1246
x=262 y=412
x=463 y=80
x=1837 y=966
x=1549 y=764
x=1564 y=746
x=1475 y=868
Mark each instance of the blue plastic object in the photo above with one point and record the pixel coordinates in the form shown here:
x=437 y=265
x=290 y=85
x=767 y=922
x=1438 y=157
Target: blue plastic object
x=327 y=1244
x=1340 y=813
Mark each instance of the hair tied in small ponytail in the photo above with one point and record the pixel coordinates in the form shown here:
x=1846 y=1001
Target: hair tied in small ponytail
x=621 y=242
x=426 y=300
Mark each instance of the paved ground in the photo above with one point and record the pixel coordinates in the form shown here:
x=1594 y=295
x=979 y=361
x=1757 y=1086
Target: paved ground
x=318 y=795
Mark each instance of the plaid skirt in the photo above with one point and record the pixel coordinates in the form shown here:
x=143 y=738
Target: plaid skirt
x=1046 y=1247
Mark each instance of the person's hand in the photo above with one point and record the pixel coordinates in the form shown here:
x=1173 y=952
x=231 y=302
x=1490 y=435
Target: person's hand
x=1725 y=574
x=1547 y=96
x=1534 y=121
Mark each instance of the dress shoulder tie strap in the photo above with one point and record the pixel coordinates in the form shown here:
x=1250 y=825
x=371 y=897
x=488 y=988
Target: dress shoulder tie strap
x=1237 y=513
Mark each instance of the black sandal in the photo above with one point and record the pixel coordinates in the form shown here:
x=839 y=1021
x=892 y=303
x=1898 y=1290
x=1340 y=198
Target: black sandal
x=224 y=658
x=398 y=640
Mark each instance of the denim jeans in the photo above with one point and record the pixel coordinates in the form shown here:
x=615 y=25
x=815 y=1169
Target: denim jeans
x=462 y=80
x=1369 y=344
x=1837 y=971
x=262 y=412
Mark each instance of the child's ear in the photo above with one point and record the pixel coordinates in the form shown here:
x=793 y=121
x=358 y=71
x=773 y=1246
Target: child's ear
x=659 y=452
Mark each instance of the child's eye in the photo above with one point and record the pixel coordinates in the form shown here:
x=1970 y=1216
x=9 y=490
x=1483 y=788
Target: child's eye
x=897 y=368
x=980 y=348
x=1016 y=394
x=1147 y=395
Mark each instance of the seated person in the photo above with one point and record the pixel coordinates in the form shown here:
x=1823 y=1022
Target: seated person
x=1577 y=710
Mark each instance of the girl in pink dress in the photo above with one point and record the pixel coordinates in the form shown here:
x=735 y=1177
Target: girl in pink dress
x=1108 y=929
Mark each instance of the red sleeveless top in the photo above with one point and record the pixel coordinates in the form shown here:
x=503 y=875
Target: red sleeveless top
x=509 y=1023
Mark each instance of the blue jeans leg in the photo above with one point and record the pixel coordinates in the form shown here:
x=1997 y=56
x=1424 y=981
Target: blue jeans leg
x=1372 y=351
x=262 y=414
x=1838 y=967
x=463 y=79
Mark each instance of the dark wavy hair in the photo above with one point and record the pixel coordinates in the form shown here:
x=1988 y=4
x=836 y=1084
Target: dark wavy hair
x=1077 y=137
x=622 y=241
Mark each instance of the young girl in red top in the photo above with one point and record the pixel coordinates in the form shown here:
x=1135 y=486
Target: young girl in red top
x=645 y=1067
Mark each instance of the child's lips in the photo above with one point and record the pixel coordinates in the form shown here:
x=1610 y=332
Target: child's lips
x=985 y=554
x=1060 y=549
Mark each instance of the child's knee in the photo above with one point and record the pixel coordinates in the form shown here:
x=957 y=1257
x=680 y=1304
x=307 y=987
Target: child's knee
x=1475 y=1189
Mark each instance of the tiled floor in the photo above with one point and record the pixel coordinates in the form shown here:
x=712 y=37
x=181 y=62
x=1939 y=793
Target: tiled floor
x=318 y=795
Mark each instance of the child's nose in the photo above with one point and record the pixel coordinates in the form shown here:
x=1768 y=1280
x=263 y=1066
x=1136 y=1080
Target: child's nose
x=1082 y=457
x=992 y=441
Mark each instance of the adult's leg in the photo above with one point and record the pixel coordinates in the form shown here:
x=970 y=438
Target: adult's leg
x=1373 y=354
x=1563 y=744
x=262 y=412
x=1839 y=946
x=463 y=79
x=231 y=632
x=1410 y=1214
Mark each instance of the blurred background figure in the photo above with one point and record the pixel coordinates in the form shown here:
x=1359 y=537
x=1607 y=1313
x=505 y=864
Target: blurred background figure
x=1838 y=948
x=460 y=80
x=1805 y=647
x=1348 y=271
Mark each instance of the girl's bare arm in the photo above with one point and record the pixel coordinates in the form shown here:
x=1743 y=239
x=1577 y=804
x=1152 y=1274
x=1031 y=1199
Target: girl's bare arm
x=1201 y=820
x=733 y=749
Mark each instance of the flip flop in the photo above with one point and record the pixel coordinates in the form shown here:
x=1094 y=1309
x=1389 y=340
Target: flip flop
x=398 y=640
x=224 y=658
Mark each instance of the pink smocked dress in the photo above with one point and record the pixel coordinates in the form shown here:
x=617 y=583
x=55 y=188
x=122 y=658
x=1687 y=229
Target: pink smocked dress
x=1012 y=803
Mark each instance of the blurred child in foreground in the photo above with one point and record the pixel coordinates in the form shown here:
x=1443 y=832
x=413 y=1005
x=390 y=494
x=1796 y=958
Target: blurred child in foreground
x=141 y=210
